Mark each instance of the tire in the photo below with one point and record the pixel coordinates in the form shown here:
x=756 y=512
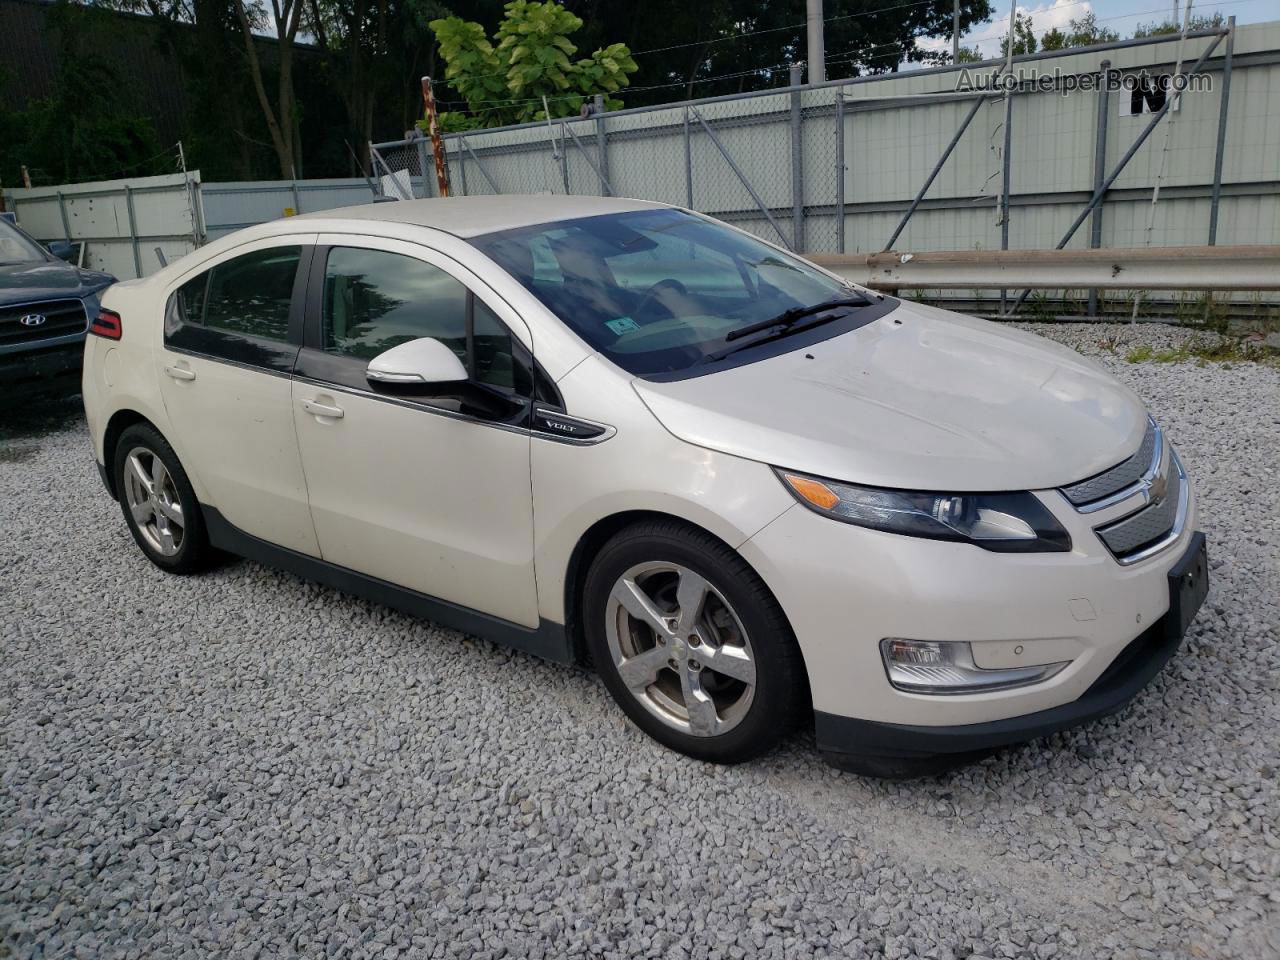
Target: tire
x=165 y=521
x=656 y=655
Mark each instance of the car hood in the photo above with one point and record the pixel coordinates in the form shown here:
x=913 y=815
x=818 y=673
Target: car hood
x=35 y=281
x=919 y=399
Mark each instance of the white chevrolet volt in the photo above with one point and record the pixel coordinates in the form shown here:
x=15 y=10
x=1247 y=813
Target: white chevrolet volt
x=624 y=434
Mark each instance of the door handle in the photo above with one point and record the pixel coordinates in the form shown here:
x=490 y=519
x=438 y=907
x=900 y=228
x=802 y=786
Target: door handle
x=318 y=409
x=180 y=373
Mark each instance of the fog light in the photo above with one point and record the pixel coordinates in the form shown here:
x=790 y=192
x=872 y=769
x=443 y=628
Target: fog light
x=946 y=666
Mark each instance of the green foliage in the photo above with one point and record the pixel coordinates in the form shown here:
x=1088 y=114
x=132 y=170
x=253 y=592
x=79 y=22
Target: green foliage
x=86 y=130
x=1079 y=33
x=936 y=58
x=1024 y=38
x=505 y=81
x=1162 y=27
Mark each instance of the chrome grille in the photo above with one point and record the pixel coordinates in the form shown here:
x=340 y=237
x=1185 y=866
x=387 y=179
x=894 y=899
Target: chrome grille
x=1153 y=485
x=61 y=317
x=1123 y=475
x=1128 y=538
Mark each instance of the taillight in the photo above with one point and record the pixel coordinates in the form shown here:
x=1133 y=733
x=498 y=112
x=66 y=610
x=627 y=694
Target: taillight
x=107 y=324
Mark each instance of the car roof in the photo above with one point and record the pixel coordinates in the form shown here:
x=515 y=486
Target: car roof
x=473 y=216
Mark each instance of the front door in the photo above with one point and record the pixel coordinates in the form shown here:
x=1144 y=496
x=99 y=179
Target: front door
x=231 y=334
x=428 y=493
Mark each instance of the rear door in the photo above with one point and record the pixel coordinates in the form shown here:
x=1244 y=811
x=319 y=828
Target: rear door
x=232 y=333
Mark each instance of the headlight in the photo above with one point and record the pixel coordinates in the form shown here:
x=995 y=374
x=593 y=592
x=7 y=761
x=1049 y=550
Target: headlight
x=1003 y=522
x=941 y=667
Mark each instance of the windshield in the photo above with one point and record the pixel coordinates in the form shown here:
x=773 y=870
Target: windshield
x=657 y=290
x=16 y=247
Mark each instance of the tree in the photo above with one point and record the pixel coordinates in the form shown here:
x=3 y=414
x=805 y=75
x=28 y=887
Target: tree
x=87 y=129
x=286 y=17
x=509 y=82
x=1082 y=32
x=715 y=47
x=1197 y=22
x=1024 y=37
x=935 y=58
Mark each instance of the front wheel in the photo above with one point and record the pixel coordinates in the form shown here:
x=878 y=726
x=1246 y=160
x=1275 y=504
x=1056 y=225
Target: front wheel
x=691 y=643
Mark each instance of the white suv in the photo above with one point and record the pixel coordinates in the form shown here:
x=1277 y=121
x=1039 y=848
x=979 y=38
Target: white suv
x=622 y=433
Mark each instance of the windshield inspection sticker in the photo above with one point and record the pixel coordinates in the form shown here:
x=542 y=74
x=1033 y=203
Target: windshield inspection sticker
x=622 y=325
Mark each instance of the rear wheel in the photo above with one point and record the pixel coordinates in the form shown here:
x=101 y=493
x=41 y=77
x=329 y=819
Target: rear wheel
x=691 y=643
x=158 y=503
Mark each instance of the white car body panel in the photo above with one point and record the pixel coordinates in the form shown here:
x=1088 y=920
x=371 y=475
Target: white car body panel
x=919 y=399
x=642 y=468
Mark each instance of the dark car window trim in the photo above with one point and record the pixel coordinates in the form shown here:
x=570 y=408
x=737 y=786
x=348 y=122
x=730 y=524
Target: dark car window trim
x=244 y=350
x=408 y=402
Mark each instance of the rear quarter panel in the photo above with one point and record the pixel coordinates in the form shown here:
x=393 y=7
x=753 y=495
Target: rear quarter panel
x=121 y=375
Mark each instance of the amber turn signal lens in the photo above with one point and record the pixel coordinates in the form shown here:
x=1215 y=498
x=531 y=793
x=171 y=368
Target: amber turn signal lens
x=819 y=494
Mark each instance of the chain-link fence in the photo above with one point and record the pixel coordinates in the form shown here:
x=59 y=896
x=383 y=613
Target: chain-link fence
x=922 y=160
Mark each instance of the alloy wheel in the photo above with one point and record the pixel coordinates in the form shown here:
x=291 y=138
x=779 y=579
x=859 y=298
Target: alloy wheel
x=680 y=648
x=153 y=501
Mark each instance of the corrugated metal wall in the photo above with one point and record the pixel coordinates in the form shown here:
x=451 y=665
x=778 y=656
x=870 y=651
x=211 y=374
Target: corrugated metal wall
x=230 y=206
x=895 y=127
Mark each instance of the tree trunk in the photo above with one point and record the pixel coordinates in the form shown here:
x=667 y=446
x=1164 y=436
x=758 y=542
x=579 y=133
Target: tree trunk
x=282 y=146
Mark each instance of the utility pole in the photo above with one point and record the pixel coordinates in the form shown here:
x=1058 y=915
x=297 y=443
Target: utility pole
x=955 y=32
x=817 y=45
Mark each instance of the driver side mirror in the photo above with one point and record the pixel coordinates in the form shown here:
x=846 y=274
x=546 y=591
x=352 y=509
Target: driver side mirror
x=417 y=366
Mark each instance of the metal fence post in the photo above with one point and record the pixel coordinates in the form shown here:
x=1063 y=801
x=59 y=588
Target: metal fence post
x=66 y=224
x=1223 y=103
x=133 y=230
x=462 y=165
x=602 y=146
x=688 y=163
x=840 y=171
x=297 y=198
x=422 y=165
x=1099 y=169
x=797 y=159
x=564 y=160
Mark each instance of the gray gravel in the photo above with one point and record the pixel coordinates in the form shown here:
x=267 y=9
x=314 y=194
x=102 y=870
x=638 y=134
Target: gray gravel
x=244 y=762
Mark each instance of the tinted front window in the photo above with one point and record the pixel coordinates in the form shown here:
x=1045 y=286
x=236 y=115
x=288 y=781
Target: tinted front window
x=656 y=291
x=375 y=300
x=249 y=294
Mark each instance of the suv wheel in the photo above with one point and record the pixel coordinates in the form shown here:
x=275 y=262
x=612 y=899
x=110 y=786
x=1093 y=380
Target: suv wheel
x=691 y=643
x=158 y=503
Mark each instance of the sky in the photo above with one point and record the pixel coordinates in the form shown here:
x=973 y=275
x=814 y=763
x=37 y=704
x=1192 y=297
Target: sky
x=1122 y=16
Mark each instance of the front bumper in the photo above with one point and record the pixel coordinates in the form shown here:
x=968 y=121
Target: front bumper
x=889 y=748
x=42 y=370
x=844 y=588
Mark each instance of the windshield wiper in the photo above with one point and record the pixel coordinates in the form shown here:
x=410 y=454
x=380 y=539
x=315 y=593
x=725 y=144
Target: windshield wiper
x=789 y=317
x=777 y=334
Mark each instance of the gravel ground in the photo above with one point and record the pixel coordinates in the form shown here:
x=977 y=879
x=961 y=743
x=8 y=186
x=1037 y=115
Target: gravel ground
x=244 y=762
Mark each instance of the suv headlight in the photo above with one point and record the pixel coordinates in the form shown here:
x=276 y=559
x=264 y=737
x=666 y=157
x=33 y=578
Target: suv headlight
x=1002 y=522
